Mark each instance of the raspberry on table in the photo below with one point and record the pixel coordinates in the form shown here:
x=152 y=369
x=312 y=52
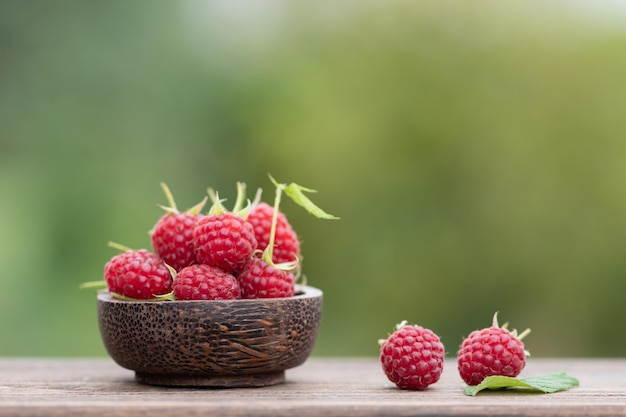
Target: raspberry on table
x=412 y=357
x=258 y=279
x=137 y=274
x=204 y=282
x=286 y=243
x=491 y=351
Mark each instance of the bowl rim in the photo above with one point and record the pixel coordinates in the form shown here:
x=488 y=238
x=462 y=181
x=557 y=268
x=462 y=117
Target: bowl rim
x=301 y=292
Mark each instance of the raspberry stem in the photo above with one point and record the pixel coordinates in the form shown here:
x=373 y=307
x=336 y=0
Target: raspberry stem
x=296 y=193
x=217 y=208
x=513 y=332
x=268 y=253
x=494 y=321
x=241 y=197
x=239 y=209
x=257 y=197
x=269 y=250
x=212 y=195
x=119 y=246
x=401 y=324
x=523 y=334
x=170 y=199
x=93 y=284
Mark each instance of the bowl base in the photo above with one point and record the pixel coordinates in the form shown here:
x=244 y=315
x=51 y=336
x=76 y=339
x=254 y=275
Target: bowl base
x=221 y=381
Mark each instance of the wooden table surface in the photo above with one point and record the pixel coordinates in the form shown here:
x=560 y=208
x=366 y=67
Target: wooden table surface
x=320 y=387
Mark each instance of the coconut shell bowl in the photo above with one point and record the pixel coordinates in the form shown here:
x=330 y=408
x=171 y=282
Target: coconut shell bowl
x=230 y=343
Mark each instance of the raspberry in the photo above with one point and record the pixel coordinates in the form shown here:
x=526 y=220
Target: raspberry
x=412 y=357
x=261 y=280
x=286 y=243
x=172 y=235
x=172 y=239
x=204 y=282
x=491 y=351
x=224 y=240
x=137 y=274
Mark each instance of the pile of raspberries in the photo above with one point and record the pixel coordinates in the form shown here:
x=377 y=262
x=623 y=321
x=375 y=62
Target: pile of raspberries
x=218 y=255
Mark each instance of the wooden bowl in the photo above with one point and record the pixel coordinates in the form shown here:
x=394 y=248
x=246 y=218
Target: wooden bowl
x=230 y=343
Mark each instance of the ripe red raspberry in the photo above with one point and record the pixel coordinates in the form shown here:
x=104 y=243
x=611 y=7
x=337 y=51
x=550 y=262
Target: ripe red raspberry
x=172 y=235
x=260 y=280
x=224 y=240
x=412 y=357
x=286 y=243
x=172 y=239
x=138 y=274
x=491 y=351
x=204 y=282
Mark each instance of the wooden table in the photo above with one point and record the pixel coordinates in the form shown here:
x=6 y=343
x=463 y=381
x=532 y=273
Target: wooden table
x=320 y=387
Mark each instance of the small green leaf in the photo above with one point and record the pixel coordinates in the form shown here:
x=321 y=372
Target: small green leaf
x=549 y=383
x=296 y=193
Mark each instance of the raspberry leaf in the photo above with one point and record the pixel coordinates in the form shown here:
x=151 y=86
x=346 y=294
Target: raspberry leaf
x=296 y=193
x=241 y=198
x=548 y=383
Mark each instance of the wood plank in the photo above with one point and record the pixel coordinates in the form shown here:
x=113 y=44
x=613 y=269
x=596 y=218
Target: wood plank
x=320 y=387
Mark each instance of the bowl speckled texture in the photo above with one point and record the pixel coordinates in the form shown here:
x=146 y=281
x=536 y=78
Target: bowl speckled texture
x=230 y=343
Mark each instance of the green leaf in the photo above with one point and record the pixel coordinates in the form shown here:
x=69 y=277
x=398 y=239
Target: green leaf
x=296 y=193
x=549 y=383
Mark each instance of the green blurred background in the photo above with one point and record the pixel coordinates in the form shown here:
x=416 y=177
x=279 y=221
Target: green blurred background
x=474 y=150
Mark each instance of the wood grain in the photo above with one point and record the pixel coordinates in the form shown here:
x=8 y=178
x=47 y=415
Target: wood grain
x=320 y=387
